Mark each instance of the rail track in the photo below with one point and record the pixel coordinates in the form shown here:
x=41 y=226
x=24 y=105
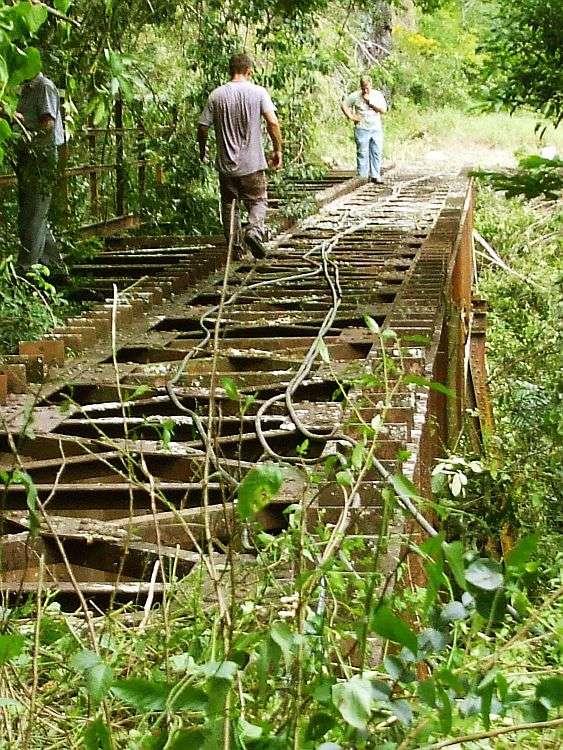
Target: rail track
x=123 y=459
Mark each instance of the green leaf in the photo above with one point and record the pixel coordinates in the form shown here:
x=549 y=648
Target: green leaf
x=258 y=489
x=11 y=646
x=28 y=65
x=426 y=383
x=380 y=691
x=550 y=692
x=34 y=16
x=353 y=700
x=23 y=478
x=285 y=639
x=396 y=668
x=453 y=612
x=432 y=640
x=248 y=731
x=486 y=700
x=98 y=682
x=523 y=551
x=96 y=736
x=230 y=388
x=485 y=574
x=190 y=698
x=491 y=605
x=144 y=695
x=5 y=130
x=344 y=478
x=319 y=724
x=220 y=670
x=454 y=556
x=402 y=711
x=188 y=739
x=82 y=661
x=389 y=626
x=98 y=675
x=403 y=486
x=323 y=351
x=444 y=709
x=372 y=324
x=358 y=456
x=62 y=5
x=426 y=691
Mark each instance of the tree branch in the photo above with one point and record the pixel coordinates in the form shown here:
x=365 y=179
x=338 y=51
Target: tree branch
x=539 y=725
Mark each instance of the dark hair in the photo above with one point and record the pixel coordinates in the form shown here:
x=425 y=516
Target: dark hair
x=240 y=63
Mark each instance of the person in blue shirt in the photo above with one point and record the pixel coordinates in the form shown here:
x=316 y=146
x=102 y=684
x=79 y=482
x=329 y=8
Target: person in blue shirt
x=38 y=119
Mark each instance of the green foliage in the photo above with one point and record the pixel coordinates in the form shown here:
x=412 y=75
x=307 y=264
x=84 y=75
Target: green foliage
x=433 y=66
x=524 y=58
x=534 y=177
x=19 y=22
x=30 y=304
x=258 y=488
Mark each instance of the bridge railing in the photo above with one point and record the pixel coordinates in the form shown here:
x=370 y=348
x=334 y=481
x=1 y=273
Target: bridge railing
x=103 y=175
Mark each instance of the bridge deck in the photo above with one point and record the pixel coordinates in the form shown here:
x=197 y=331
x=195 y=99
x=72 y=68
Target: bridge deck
x=114 y=439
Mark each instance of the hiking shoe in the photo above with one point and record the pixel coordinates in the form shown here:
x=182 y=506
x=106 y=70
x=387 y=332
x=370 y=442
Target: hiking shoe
x=255 y=246
x=377 y=180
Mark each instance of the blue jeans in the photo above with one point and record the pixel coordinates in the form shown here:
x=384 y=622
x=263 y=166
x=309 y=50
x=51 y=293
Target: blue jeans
x=369 y=150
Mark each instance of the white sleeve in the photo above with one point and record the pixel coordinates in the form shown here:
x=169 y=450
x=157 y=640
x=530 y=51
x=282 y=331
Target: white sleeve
x=350 y=100
x=206 y=117
x=266 y=104
x=378 y=100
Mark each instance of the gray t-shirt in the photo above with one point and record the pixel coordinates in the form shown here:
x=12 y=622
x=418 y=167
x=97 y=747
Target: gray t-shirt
x=235 y=110
x=40 y=97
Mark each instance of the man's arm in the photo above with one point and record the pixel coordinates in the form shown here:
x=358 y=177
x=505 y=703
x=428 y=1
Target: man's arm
x=274 y=131
x=376 y=102
x=46 y=123
x=202 y=133
x=349 y=112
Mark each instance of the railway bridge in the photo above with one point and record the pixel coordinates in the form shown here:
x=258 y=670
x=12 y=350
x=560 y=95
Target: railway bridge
x=125 y=433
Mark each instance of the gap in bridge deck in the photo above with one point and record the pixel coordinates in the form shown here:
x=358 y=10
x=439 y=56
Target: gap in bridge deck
x=264 y=337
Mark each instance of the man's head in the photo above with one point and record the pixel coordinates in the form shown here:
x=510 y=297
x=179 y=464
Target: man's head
x=241 y=64
x=365 y=84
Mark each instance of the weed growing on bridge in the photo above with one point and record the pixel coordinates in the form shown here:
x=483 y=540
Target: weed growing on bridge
x=30 y=304
x=328 y=642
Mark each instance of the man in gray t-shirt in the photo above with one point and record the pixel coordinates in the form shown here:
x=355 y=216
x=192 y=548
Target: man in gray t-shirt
x=39 y=114
x=235 y=111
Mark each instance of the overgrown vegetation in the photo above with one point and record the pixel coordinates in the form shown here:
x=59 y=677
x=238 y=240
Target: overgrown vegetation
x=324 y=642
x=319 y=651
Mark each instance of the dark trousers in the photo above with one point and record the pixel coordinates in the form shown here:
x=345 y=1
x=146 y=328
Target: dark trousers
x=36 y=172
x=251 y=189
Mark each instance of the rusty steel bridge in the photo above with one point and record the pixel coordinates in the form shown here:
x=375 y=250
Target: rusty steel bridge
x=121 y=441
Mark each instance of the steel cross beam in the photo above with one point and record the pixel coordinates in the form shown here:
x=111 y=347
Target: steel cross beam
x=118 y=466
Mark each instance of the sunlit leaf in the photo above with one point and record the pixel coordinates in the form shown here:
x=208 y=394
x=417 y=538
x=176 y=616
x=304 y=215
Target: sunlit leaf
x=484 y=574
x=230 y=388
x=353 y=699
x=11 y=646
x=453 y=612
x=258 y=488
